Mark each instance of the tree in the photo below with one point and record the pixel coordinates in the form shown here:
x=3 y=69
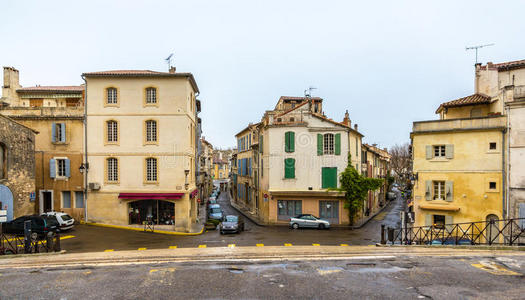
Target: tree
x=355 y=187
x=401 y=162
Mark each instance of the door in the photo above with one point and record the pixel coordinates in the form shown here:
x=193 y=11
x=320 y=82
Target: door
x=329 y=210
x=6 y=201
x=45 y=201
x=492 y=228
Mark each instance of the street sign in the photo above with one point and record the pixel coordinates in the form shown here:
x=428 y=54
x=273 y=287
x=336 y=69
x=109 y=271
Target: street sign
x=32 y=196
x=3 y=215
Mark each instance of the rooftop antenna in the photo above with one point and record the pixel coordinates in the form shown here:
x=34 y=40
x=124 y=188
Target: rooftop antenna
x=168 y=60
x=476 y=48
x=308 y=92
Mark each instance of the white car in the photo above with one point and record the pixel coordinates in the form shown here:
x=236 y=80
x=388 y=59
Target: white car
x=66 y=221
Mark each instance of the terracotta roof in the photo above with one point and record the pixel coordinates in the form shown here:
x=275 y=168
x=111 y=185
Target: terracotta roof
x=299 y=98
x=67 y=88
x=141 y=73
x=469 y=100
x=505 y=65
x=335 y=122
x=292 y=109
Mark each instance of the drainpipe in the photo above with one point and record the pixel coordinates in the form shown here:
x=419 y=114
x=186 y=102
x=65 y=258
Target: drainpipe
x=504 y=189
x=507 y=177
x=85 y=153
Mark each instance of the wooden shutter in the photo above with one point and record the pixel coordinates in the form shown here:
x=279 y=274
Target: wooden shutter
x=319 y=144
x=63 y=132
x=52 y=167
x=428 y=190
x=289 y=168
x=449 y=191
x=68 y=168
x=329 y=178
x=337 y=144
x=53 y=132
x=449 y=151
x=429 y=152
x=292 y=141
x=428 y=220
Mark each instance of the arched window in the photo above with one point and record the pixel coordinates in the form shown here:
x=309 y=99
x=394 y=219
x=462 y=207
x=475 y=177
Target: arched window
x=151 y=169
x=151 y=131
x=112 y=169
x=3 y=161
x=111 y=96
x=151 y=95
x=328 y=143
x=111 y=131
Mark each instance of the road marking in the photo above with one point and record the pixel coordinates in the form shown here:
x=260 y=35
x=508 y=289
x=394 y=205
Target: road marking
x=344 y=245
x=494 y=268
x=202 y=246
x=287 y=244
x=231 y=245
x=153 y=271
x=109 y=250
x=259 y=245
x=317 y=245
x=381 y=216
x=328 y=271
x=65 y=237
x=173 y=247
x=141 y=249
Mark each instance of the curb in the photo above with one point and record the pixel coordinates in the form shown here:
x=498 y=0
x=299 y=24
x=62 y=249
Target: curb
x=246 y=215
x=142 y=230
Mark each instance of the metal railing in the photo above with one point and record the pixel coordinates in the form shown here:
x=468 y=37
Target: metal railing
x=18 y=244
x=491 y=232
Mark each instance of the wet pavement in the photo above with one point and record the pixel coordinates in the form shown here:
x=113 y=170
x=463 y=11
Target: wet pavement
x=94 y=239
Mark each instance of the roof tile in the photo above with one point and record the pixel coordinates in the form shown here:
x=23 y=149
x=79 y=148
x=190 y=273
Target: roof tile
x=469 y=100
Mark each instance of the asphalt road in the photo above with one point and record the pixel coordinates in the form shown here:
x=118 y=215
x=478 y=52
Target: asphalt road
x=94 y=239
x=360 y=278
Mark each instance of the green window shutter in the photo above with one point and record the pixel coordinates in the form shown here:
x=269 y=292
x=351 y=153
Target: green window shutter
x=292 y=141
x=337 y=144
x=287 y=141
x=329 y=178
x=449 y=191
x=449 y=151
x=319 y=144
x=289 y=168
x=428 y=220
x=429 y=152
x=428 y=190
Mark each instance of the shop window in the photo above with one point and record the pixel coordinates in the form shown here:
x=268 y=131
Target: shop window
x=287 y=209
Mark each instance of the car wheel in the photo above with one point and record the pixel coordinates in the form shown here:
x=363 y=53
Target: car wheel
x=321 y=226
x=295 y=225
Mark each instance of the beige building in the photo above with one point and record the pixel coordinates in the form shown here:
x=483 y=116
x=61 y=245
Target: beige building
x=375 y=164
x=141 y=128
x=205 y=175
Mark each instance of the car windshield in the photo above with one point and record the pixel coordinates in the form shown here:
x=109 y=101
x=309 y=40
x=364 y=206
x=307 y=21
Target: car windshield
x=215 y=210
x=51 y=220
x=66 y=217
x=231 y=218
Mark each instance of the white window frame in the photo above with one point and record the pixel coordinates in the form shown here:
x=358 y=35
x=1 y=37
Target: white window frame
x=151 y=131
x=57 y=168
x=111 y=96
x=112 y=169
x=328 y=144
x=152 y=170
x=151 y=95
x=438 y=188
x=112 y=133
x=440 y=150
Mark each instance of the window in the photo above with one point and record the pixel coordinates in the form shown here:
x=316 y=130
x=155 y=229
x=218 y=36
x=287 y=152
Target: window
x=3 y=161
x=111 y=96
x=439 y=190
x=79 y=199
x=66 y=199
x=36 y=102
x=289 y=168
x=151 y=131
x=289 y=141
x=151 y=95
x=492 y=185
x=288 y=208
x=112 y=169
x=61 y=168
x=439 y=151
x=316 y=107
x=262 y=167
x=292 y=119
x=329 y=178
x=328 y=143
x=492 y=146
x=279 y=120
x=58 y=133
x=439 y=221
x=151 y=169
x=293 y=105
x=112 y=131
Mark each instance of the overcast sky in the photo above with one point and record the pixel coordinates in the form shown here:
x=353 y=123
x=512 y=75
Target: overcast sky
x=388 y=62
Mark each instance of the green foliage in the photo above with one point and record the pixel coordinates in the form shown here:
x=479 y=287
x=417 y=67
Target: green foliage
x=356 y=187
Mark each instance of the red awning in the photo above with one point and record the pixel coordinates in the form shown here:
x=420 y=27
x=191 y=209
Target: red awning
x=152 y=196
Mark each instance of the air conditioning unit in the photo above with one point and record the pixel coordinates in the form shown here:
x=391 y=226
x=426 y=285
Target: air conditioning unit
x=94 y=186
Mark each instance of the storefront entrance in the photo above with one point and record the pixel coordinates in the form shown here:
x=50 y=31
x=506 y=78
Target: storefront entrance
x=329 y=210
x=161 y=212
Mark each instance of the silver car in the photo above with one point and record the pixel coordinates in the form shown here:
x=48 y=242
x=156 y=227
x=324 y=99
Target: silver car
x=308 y=221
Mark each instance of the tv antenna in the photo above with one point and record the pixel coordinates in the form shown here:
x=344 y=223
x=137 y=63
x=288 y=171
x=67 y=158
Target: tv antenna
x=308 y=91
x=476 y=48
x=168 y=60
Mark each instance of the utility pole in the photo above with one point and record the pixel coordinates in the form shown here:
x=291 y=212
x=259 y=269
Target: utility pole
x=476 y=48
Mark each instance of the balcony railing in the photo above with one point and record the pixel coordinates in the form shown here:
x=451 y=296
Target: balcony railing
x=493 y=122
x=76 y=111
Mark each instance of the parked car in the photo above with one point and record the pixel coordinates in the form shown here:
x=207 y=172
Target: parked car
x=215 y=212
x=41 y=225
x=451 y=241
x=65 y=221
x=212 y=200
x=231 y=224
x=308 y=221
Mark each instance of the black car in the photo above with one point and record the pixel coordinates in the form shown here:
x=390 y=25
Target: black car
x=231 y=224
x=41 y=225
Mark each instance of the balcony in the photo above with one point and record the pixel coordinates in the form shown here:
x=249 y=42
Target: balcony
x=483 y=123
x=519 y=92
x=43 y=112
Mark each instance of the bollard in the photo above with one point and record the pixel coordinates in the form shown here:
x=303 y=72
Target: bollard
x=27 y=236
x=383 y=241
x=57 y=246
x=49 y=241
x=391 y=234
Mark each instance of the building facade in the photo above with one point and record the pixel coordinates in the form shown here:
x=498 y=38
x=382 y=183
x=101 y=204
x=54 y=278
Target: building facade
x=375 y=165
x=141 y=128
x=205 y=177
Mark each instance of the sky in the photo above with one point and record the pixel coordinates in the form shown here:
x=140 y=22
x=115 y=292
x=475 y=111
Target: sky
x=389 y=63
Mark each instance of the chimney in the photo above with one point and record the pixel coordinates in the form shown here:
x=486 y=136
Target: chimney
x=172 y=70
x=11 y=84
x=355 y=127
x=347 y=120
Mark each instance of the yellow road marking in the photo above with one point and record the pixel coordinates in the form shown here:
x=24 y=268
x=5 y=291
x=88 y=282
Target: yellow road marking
x=259 y=245
x=287 y=244
x=87 y=273
x=173 y=247
x=162 y=270
x=231 y=245
x=109 y=250
x=344 y=245
x=495 y=269
x=153 y=271
x=317 y=245
x=65 y=237
x=202 y=246
x=141 y=249
x=325 y=272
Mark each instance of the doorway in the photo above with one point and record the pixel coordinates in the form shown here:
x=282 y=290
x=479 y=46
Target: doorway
x=329 y=210
x=492 y=228
x=45 y=201
x=6 y=201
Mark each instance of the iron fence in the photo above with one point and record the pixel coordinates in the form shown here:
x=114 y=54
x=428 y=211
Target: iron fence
x=491 y=232
x=17 y=244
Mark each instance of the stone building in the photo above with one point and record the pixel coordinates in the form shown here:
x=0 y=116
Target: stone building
x=17 y=168
x=376 y=164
